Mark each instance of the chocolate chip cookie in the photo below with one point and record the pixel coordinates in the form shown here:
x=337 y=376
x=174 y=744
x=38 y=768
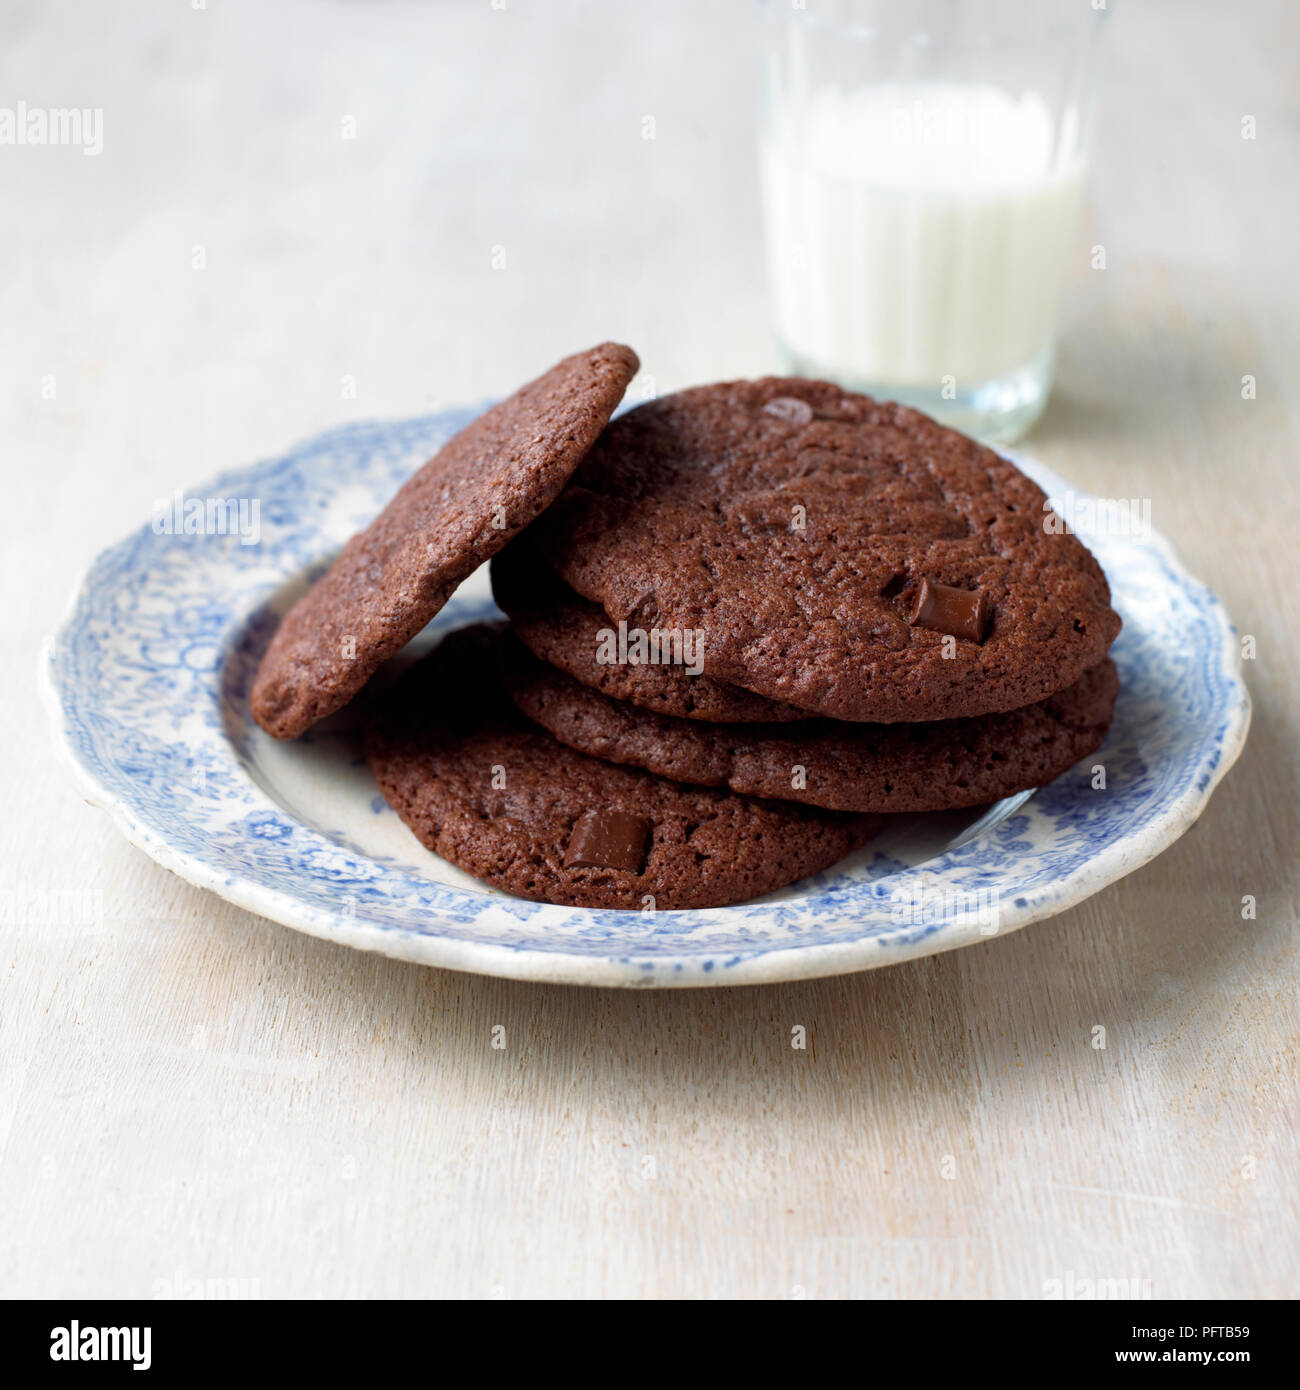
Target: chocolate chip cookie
x=846 y=556
x=481 y=488
x=488 y=790
x=840 y=766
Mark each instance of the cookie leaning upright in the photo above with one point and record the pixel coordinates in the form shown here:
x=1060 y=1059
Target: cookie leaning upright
x=482 y=487
x=847 y=556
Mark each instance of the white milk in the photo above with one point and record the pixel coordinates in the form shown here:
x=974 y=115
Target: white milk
x=919 y=231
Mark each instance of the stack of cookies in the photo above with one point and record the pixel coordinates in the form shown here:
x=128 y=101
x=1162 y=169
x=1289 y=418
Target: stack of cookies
x=748 y=621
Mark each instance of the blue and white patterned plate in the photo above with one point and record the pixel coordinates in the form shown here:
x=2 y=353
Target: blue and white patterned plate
x=147 y=683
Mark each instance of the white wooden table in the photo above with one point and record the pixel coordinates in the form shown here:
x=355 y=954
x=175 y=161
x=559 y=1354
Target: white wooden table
x=193 y=1100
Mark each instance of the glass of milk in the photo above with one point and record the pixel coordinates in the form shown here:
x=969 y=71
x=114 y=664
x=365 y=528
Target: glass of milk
x=922 y=166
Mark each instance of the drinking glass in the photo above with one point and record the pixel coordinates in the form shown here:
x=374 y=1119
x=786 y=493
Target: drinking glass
x=922 y=169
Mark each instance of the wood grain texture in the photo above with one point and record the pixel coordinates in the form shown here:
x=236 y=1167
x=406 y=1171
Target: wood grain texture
x=192 y=1098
